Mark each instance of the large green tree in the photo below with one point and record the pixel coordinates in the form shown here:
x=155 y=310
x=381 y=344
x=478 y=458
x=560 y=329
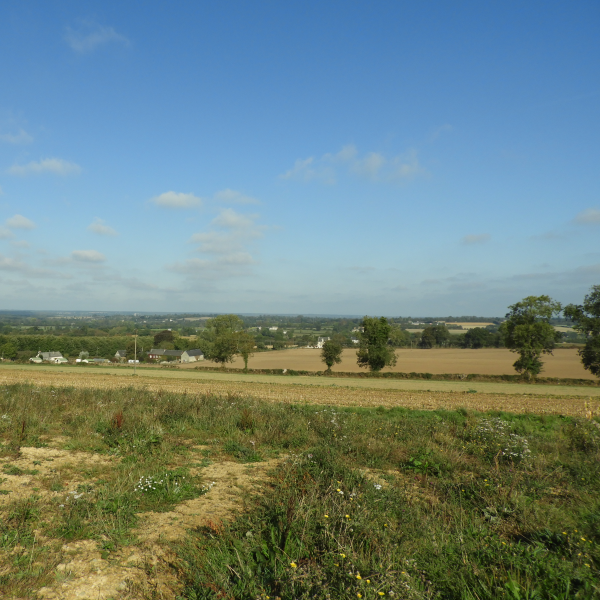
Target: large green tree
x=586 y=319
x=373 y=349
x=527 y=330
x=331 y=354
x=221 y=337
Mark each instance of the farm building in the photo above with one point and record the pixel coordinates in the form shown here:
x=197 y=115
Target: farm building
x=120 y=354
x=189 y=356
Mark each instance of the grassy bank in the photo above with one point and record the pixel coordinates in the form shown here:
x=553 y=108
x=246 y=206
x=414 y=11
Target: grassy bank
x=366 y=502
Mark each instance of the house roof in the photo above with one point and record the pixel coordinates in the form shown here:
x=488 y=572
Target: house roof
x=50 y=354
x=195 y=352
x=122 y=352
x=172 y=352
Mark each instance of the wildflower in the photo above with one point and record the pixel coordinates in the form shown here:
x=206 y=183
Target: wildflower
x=358 y=576
x=293 y=565
x=385 y=524
x=343 y=555
x=359 y=595
x=327 y=516
x=347 y=516
x=368 y=580
x=381 y=593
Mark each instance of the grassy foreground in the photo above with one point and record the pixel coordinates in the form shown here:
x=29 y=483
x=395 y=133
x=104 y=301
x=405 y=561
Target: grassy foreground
x=366 y=503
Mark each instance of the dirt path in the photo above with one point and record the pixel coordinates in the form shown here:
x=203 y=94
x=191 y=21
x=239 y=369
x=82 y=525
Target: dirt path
x=138 y=571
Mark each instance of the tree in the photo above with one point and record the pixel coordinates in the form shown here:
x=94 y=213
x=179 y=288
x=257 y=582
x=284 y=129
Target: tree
x=399 y=337
x=373 y=350
x=9 y=350
x=527 y=330
x=220 y=339
x=331 y=353
x=246 y=344
x=586 y=319
x=163 y=336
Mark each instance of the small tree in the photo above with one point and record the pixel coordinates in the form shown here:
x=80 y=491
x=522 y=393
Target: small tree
x=586 y=319
x=527 y=330
x=246 y=344
x=220 y=339
x=373 y=350
x=331 y=354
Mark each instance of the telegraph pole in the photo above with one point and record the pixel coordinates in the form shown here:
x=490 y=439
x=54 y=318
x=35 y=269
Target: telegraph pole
x=135 y=354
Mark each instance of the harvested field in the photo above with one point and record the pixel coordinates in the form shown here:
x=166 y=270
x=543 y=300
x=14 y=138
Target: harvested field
x=429 y=395
x=564 y=363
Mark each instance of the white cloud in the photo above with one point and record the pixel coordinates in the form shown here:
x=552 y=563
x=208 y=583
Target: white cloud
x=590 y=216
x=226 y=243
x=374 y=166
x=90 y=35
x=57 y=166
x=21 y=244
x=478 y=238
x=6 y=234
x=20 y=222
x=90 y=256
x=100 y=227
x=176 y=200
x=233 y=197
x=21 y=137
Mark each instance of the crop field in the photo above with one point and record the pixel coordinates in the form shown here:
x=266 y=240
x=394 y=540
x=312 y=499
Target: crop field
x=122 y=489
x=564 y=363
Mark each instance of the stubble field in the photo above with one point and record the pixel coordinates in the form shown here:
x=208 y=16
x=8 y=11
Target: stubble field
x=564 y=363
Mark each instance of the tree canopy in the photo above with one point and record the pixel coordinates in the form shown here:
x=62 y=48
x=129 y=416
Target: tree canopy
x=586 y=320
x=373 y=349
x=331 y=353
x=527 y=330
x=221 y=338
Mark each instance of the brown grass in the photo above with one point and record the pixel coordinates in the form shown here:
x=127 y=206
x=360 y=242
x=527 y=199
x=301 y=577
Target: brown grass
x=276 y=389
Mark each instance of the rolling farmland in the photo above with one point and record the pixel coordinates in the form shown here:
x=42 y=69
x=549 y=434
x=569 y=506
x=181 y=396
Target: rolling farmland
x=564 y=363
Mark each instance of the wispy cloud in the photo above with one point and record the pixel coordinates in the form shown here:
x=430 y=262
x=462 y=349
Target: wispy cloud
x=88 y=256
x=476 y=238
x=590 y=216
x=176 y=200
x=21 y=137
x=374 y=166
x=6 y=234
x=56 y=166
x=90 y=35
x=232 y=197
x=225 y=245
x=101 y=228
x=20 y=222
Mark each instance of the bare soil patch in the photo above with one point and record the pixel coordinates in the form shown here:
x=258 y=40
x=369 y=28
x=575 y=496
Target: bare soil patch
x=134 y=572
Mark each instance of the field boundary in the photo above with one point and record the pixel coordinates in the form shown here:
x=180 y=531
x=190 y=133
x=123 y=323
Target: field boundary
x=412 y=375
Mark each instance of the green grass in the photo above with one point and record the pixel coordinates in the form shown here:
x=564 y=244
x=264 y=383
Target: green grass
x=369 y=503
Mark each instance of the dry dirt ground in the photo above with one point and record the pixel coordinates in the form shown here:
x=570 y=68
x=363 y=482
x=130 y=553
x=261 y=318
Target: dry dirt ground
x=136 y=571
x=564 y=363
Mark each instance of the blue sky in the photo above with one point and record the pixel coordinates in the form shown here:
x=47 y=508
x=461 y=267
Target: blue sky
x=348 y=157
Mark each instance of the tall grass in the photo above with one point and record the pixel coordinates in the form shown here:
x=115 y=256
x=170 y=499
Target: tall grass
x=368 y=502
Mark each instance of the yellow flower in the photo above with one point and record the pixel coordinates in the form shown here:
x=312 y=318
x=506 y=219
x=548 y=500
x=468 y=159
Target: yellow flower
x=347 y=516
x=381 y=593
x=587 y=565
x=338 y=490
x=336 y=565
x=327 y=516
x=564 y=533
x=385 y=524
x=368 y=581
x=343 y=555
x=358 y=576
x=359 y=595
x=293 y=565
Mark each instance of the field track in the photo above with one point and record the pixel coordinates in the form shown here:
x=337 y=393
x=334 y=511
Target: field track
x=342 y=392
